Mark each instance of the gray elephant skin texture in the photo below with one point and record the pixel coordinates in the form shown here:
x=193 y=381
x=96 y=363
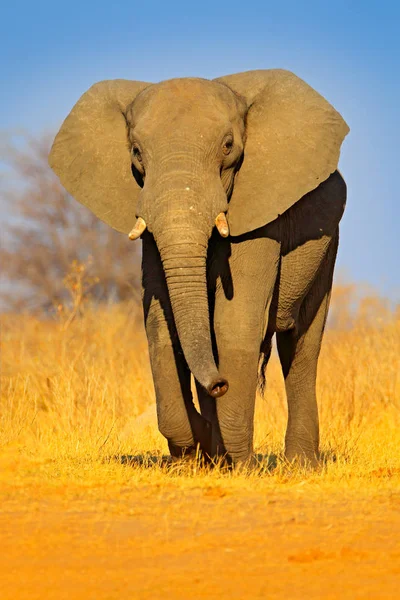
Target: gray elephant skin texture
x=232 y=186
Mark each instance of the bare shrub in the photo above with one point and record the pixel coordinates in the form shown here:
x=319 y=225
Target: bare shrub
x=47 y=230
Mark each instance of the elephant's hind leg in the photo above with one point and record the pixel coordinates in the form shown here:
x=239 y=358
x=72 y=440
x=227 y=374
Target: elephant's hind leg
x=298 y=352
x=208 y=408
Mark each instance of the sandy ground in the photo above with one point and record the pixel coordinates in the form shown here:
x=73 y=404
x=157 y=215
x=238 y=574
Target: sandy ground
x=205 y=542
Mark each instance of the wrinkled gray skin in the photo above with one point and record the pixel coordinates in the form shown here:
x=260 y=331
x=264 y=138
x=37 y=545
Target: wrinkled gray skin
x=214 y=303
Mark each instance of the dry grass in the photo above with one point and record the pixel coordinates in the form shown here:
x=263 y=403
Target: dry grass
x=76 y=522
x=72 y=397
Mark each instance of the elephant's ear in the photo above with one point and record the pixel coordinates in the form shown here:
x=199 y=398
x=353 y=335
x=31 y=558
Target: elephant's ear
x=293 y=144
x=90 y=153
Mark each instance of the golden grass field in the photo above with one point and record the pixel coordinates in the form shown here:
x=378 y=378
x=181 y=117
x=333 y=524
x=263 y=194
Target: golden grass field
x=78 y=519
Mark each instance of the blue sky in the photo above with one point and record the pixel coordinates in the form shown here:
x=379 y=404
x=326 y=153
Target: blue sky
x=51 y=52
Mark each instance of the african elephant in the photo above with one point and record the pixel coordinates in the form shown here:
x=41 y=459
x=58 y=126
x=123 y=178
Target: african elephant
x=232 y=185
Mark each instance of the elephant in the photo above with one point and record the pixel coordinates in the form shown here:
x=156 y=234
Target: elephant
x=232 y=184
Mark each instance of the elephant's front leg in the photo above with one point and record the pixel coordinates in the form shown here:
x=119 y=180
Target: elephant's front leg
x=178 y=419
x=243 y=296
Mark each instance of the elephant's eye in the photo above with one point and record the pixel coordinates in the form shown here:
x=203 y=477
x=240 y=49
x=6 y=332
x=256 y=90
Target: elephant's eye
x=137 y=154
x=227 y=145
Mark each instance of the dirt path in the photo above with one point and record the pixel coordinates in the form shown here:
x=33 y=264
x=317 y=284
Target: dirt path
x=200 y=543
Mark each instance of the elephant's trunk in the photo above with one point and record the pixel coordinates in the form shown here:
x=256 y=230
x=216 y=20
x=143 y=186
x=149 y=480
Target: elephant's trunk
x=183 y=253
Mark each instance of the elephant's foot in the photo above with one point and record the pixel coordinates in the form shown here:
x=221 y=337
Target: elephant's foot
x=182 y=454
x=245 y=465
x=302 y=453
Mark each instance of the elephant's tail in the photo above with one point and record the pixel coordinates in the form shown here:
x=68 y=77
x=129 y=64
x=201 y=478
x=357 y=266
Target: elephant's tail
x=266 y=348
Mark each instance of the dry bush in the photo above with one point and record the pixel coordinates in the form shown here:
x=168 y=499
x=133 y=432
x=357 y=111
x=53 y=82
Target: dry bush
x=47 y=230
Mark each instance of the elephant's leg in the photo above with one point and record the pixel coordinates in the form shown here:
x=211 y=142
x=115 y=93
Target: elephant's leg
x=299 y=356
x=178 y=419
x=299 y=350
x=208 y=408
x=240 y=319
x=208 y=405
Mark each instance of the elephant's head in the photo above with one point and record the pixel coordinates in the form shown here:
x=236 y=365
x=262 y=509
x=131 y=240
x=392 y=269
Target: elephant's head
x=180 y=154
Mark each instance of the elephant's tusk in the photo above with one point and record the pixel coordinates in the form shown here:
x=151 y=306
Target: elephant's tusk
x=138 y=229
x=222 y=225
